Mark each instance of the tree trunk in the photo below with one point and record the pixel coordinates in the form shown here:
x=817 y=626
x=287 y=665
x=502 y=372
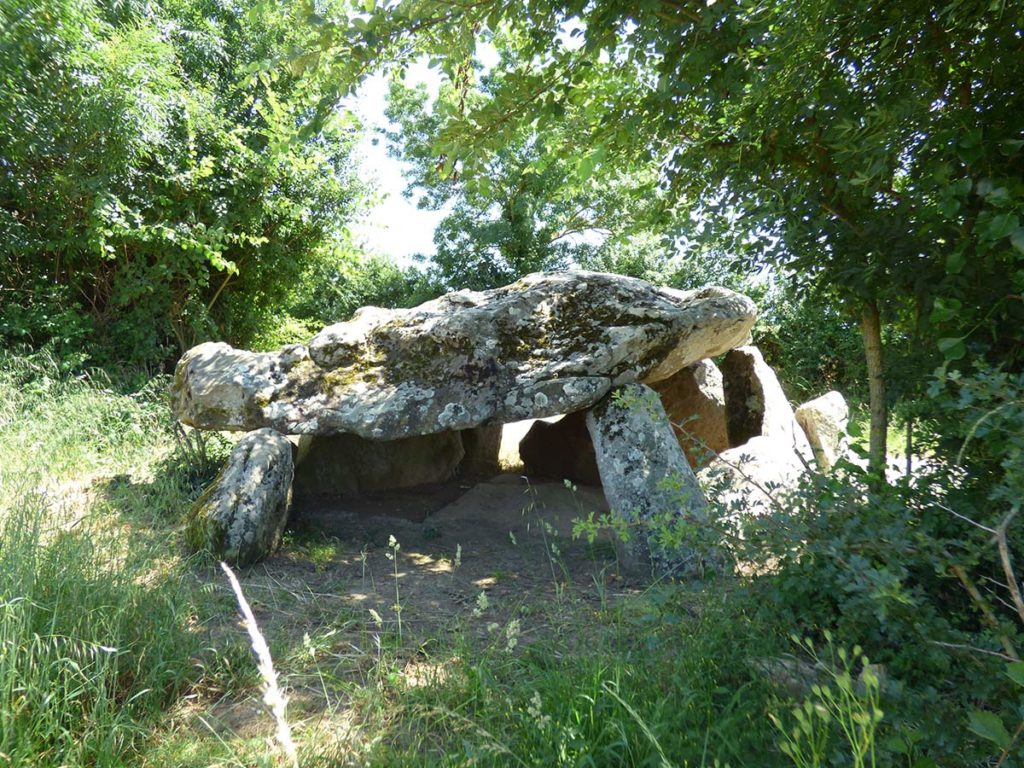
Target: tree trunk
x=871 y=333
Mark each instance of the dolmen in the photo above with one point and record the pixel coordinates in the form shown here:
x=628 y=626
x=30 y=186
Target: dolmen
x=399 y=397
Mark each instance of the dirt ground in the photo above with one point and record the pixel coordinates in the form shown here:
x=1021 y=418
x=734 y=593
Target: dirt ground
x=323 y=591
x=331 y=588
x=506 y=537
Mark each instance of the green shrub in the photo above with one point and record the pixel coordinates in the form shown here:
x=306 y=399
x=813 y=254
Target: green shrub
x=154 y=192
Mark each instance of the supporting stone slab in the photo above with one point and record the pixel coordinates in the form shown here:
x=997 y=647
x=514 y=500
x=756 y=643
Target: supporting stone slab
x=824 y=421
x=756 y=405
x=694 y=399
x=349 y=465
x=240 y=517
x=648 y=481
x=482 y=446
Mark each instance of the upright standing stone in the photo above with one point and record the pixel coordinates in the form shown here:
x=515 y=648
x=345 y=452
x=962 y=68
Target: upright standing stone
x=648 y=481
x=240 y=517
x=694 y=400
x=824 y=421
x=482 y=446
x=752 y=479
x=756 y=406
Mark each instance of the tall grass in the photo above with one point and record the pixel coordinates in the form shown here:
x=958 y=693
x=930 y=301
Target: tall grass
x=62 y=427
x=93 y=636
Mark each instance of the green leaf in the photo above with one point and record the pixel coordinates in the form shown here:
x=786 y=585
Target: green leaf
x=944 y=309
x=1015 y=672
x=949 y=206
x=586 y=168
x=1002 y=225
x=1011 y=147
x=1017 y=239
x=990 y=727
x=955 y=262
x=952 y=349
x=961 y=187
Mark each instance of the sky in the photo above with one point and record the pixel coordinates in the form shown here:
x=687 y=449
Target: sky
x=396 y=227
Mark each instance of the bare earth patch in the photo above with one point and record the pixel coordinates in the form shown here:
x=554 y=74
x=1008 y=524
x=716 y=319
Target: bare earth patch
x=507 y=538
x=491 y=564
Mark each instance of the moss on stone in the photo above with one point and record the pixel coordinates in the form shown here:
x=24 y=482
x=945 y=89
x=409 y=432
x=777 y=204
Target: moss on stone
x=202 y=530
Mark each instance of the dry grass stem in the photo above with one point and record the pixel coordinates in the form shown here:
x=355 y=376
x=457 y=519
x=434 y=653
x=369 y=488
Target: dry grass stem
x=272 y=696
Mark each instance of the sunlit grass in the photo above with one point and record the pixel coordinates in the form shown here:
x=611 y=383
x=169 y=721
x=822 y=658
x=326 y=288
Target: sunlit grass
x=116 y=650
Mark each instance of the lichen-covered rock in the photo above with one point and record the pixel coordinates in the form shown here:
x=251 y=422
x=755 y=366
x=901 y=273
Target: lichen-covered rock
x=752 y=479
x=824 y=421
x=241 y=515
x=755 y=404
x=551 y=343
x=648 y=482
x=561 y=450
x=349 y=465
x=483 y=448
x=694 y=400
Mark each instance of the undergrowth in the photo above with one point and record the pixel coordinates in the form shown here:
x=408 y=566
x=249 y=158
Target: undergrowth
x=116 y=649
x=94 y=635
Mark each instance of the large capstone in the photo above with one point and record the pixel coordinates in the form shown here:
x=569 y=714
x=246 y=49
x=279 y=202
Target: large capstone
x=649 y=483
x=241 y=515
x=551 y=343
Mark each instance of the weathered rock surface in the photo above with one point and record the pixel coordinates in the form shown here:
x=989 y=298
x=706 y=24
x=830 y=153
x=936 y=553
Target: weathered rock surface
x=756 y=406
x=824 y=421
x=694 y=400
x=561 y=451
x=241 y=515
x=751 y=478
x=647 y=480
x=550 y=343
x=483 y=448
x=349 y=465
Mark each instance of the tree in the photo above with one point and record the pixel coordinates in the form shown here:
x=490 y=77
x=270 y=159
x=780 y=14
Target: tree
x=528 y=209
x=155 y=189
x=873 y=151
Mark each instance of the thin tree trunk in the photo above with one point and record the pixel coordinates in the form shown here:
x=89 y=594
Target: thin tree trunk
x=871 y=333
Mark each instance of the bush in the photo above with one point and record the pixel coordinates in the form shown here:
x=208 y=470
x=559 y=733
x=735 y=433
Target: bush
x=910 y=569
x=152 y=193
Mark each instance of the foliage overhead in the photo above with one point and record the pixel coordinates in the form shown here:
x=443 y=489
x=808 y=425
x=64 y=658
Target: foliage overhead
x=155 y=188
x=874 y=151
x=528 y=209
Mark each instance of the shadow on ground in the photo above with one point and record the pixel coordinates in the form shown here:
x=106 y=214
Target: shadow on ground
x=506 y=538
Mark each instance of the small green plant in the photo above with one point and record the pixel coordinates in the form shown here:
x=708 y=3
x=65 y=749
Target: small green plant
x=847 y=706
x=549 y=537
x=989 y=725
x=392 y=555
